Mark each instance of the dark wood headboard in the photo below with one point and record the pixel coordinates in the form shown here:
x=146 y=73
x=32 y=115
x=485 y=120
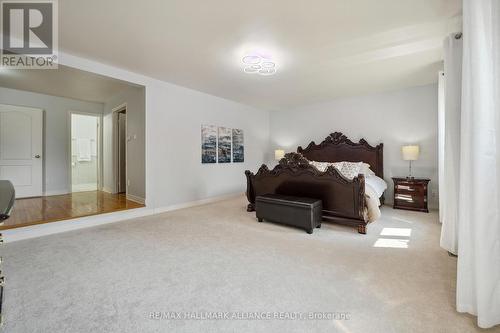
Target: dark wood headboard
x=337 y=147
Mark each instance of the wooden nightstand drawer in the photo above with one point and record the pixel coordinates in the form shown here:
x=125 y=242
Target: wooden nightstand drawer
x=404 y=200
x=409 y=189
x=411 y=194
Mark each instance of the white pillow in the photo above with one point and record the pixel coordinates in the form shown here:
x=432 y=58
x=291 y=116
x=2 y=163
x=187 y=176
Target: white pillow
x=322 y=166
x=351 y=169
x=347 y=169
x=365 y=169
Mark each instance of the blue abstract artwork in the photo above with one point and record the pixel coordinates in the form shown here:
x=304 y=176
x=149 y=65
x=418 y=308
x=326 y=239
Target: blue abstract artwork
x=238 y=146
x=208 y=144
x=224 y=151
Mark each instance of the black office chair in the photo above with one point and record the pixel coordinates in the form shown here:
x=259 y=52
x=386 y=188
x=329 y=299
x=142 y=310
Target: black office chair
x=7 y=199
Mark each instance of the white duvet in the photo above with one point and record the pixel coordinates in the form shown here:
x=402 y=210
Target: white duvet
x=374 y=188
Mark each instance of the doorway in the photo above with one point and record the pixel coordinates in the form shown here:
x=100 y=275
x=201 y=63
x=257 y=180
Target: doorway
x=120 y=149
x=85 y=149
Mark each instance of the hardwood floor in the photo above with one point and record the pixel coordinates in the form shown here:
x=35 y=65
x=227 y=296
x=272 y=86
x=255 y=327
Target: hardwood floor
x=40 y=210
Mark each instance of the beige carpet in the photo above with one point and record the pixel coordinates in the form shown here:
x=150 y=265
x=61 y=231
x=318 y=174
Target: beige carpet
x=218 y=258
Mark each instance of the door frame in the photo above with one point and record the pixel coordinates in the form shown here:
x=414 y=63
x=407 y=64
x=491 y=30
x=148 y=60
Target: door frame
x=99 y=149
x=114 y=118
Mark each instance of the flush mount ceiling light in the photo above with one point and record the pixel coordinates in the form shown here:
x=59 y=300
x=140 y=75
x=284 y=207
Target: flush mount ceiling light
x=251 y=60
x=267 y=71
x=255 y=64
x=250 y=70
x=268 y=64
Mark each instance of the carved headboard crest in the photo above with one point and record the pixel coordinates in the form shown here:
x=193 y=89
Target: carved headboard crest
x=337 y=147
x=294 y=160
x=336 y=138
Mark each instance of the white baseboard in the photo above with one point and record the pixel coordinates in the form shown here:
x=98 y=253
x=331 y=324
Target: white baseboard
x=107 y=190
x=196 y=203
x=137 y=199
x=13 y=235
x=55 y=192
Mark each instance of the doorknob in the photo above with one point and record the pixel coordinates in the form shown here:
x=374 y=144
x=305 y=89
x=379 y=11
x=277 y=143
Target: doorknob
x=37 y=156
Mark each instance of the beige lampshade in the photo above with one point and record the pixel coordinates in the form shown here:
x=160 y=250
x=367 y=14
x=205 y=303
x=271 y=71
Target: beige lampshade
x=410 y=152
x=279 y=154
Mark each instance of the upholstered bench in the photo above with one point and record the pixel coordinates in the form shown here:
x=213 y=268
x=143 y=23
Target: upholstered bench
x=299 y=212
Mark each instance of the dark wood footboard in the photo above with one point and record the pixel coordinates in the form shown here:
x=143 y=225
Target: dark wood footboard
x=343 y=199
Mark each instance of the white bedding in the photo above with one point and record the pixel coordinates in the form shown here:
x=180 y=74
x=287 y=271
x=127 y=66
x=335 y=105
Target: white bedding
x=377 y=184
x=374 y=188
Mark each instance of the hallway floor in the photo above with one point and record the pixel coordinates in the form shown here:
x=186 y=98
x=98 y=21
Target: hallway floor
x=31 y=211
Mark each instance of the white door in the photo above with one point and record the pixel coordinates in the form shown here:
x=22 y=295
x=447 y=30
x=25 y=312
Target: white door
x=21 y=149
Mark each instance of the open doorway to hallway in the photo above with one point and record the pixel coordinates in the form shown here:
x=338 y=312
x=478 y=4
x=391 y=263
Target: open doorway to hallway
x=120 y=148
x=85 y=152
x=58 y=131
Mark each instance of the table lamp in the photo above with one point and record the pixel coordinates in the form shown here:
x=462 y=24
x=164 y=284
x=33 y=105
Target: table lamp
x=279 y=154
x=410 y=153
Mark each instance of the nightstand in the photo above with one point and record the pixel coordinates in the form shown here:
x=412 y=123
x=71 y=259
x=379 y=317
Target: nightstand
x=411 y=193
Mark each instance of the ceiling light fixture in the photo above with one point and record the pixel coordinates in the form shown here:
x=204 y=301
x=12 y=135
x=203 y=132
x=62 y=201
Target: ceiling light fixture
x=256 y=64
x=268 y=64
x=251 y=59
x=267 y=71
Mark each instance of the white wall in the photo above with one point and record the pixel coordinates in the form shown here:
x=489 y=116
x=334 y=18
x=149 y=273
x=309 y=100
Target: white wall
x=174 y=120
x=56 y=132
x=134 y=97
x=174 y=115
x=393 y=118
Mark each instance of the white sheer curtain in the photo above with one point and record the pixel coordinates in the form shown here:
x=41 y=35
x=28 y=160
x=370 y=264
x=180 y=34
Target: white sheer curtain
x=441 y=128
x=451 y=161
x=478 y=273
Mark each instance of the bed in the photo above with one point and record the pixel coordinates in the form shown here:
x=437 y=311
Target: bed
x=347 y=201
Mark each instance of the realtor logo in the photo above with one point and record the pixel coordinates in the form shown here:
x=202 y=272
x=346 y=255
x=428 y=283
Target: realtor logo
x=29 y=34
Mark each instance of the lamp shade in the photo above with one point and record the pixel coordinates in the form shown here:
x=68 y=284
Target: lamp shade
x=279 y=154
x=410 y=152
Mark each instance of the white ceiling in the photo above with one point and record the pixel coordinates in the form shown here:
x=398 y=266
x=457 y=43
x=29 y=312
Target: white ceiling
x=324 y=48
x=63 y=82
